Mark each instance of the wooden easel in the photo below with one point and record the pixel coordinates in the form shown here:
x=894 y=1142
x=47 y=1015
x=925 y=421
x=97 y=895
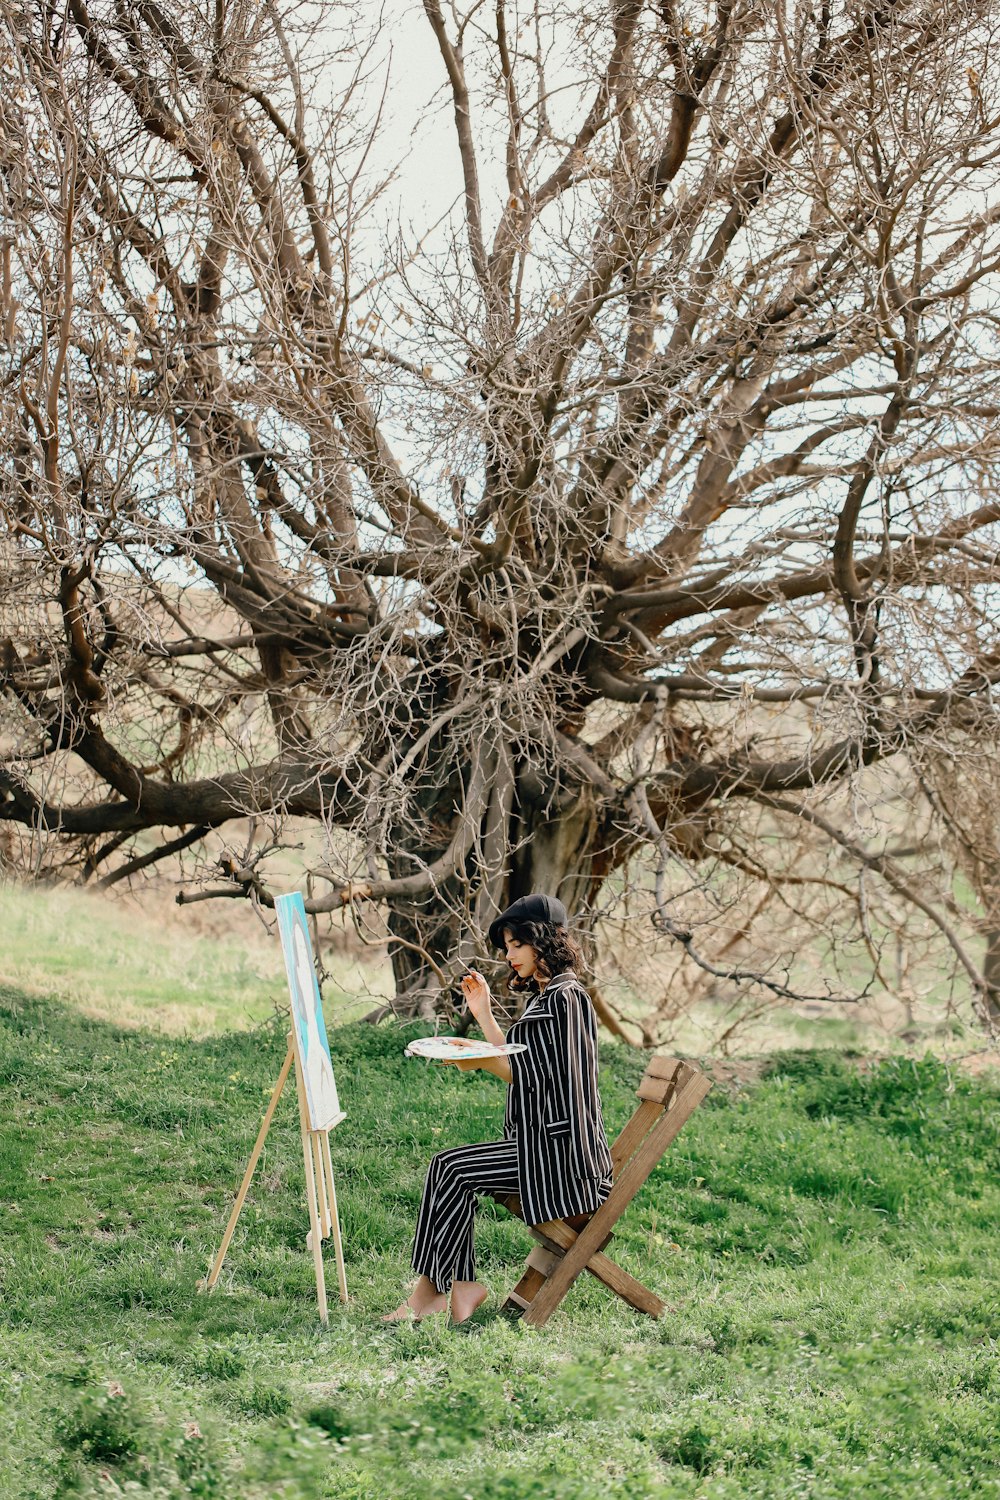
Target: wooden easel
x=670 y=1091
x=321 y=1191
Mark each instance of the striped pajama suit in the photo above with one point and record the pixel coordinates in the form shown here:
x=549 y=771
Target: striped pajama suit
x=443 y=1249
x=554 y=1153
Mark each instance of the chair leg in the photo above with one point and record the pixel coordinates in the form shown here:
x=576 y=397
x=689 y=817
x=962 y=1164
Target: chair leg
x=554 y=1239
x=606 y=1270
x=520 y=1298
x=537 y=1269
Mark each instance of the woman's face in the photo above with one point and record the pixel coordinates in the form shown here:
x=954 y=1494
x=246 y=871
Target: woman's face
x=521 y=956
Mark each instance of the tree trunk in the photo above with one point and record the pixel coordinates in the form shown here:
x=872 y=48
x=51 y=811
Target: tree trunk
x=421 y=931
x=559 y=846
x=991 y=970
x=555 y=851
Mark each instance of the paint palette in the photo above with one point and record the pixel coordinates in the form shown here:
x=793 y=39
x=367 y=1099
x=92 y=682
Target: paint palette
x=458 y=1048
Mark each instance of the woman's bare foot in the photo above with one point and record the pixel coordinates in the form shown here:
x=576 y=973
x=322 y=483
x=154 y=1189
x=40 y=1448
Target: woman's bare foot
x=465 y=1298
x=423 y=1302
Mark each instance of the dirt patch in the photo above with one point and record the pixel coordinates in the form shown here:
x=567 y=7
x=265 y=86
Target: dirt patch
x=734 y=1073
x=980 y=1062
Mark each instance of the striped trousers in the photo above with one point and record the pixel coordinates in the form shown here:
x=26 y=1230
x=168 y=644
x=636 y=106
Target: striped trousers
x=443 y=1248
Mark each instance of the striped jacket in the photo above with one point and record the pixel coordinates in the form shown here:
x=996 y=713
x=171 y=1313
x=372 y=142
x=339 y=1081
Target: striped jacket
x=553 y=1107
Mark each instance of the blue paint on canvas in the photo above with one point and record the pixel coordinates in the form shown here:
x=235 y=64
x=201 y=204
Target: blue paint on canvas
x=307 y=1012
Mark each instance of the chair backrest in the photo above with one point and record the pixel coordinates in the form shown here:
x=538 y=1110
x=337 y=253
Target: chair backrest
x=662 y=1081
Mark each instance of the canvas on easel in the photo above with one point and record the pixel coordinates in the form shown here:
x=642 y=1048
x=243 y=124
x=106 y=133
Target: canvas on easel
x=319 y=1102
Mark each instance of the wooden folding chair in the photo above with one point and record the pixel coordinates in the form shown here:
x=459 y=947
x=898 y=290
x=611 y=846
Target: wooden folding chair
x=669 y=1092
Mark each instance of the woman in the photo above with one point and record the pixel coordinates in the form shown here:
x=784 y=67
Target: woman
x=554 y=1153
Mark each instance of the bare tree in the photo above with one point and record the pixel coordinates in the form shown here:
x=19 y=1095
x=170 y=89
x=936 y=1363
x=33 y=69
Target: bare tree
x=650 y=491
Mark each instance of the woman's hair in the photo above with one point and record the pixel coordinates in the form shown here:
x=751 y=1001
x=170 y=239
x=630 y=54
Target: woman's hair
x=555 y=950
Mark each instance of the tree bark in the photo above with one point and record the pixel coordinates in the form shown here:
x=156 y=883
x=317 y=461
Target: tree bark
x=991 y=970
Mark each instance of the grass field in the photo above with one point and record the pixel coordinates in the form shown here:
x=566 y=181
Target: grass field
x=152 y=965
x=827 y=1240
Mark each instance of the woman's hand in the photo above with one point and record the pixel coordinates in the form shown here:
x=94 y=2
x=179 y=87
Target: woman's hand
x=480 y=1002
x=478 y=997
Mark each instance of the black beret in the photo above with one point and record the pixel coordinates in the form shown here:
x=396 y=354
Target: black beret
x=534 y=908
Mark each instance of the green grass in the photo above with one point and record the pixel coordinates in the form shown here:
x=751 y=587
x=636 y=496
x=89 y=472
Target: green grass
x=119 y=962
x=827 y=1242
